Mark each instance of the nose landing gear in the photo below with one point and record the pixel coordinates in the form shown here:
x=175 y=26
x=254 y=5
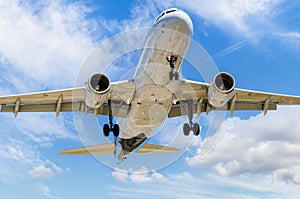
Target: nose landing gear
x=173 y=74
x=107 y=128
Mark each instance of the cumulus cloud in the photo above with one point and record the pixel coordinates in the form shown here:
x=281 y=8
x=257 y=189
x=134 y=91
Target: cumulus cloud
x=42 y=45
x=21 y=140
x=43 y=41
x=40 y=172
x=288 y=175
x=120 y=175
x=48 y=169
x=260 y=145
x=248 y=17
x=137 y=19
x=140 y=176
x=203 y=185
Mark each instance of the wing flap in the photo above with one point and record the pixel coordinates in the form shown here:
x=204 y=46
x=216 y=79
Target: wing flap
x=117 y=110
x=96 y=149
x=72 y=99
x=44 y=107
x=257 y=96
x=156 y=149
x=179 y=110
x=242 y=99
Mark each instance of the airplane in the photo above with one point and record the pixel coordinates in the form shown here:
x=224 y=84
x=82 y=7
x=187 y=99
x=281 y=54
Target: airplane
x=156 y=92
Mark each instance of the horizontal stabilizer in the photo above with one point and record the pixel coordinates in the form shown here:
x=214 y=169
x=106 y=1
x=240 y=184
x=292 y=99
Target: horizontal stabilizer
x=156 y=149
x=96 y=149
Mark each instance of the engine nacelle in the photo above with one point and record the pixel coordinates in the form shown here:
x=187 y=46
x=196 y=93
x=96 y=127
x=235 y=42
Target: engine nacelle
x=96 y=91
x=221 y=89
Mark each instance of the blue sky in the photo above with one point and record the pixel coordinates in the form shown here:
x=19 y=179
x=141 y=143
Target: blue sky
x=43 y=45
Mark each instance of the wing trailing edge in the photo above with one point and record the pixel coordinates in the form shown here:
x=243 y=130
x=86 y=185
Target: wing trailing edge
x=110 y=149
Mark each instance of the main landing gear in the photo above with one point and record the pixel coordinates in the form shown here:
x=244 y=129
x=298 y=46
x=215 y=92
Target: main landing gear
x=107 y=128
x=173 y=74
x=188 y=127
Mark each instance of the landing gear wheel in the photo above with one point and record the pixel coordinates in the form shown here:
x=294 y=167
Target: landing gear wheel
x=176 y=75
x=196 y=129
x=116 y=130
x=173 y=75
x=106 y=130
x=186 y=129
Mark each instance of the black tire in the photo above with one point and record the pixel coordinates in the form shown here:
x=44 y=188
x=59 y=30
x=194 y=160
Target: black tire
x=196 y=129
x=116 y=130
x=106 y=130
x=171 y=75
x=186 y=129
x=176 y=75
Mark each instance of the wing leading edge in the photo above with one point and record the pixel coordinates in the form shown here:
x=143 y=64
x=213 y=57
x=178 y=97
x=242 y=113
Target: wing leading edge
x=242 y=100
x=109 y=148
x=67 y=100
x=121 y=93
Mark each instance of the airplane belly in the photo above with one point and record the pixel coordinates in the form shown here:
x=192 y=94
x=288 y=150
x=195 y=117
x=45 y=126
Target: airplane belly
x=151 y=106
x=154 y=87
x=171 y=37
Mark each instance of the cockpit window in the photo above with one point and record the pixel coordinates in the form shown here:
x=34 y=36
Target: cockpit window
x=169 y=11
x=160 y=16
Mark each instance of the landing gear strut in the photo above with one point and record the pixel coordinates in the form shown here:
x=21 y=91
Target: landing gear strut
x=173 y=74
x=188 y=127
x=107 y=128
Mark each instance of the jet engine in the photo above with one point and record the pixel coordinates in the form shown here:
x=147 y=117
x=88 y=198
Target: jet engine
x=221 y=89
x=96 y=91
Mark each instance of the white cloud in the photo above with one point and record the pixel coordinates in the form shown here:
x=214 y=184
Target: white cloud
x=288 y=175
x=42 y=45
x=187 y=185
x=233 y=12
x=140 y=176
x=260 y=145
x=250 y=18
x=120 y=175
x=40 y=172
x=291 y=34
x=45 y=190
x=21 y=140
x=46 y=170
x=38 y=128
x=137 y=19
x=43 y=42
x=290 y=37
x=230 y=49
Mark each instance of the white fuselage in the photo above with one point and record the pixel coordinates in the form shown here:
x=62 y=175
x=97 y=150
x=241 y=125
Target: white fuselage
x=155 y=91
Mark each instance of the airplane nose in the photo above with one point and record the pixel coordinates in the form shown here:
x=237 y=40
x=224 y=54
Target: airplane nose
x=179 y=16
x=187 y=20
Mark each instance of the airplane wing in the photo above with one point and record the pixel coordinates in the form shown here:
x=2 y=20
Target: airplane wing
x=109 y=148
x=156 y=149
x=242 y=100
x=95 y=149
x=67 y=100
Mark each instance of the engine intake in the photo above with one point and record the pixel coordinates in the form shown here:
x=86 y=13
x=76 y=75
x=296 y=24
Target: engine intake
x=221 y=89
x=97 y=89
